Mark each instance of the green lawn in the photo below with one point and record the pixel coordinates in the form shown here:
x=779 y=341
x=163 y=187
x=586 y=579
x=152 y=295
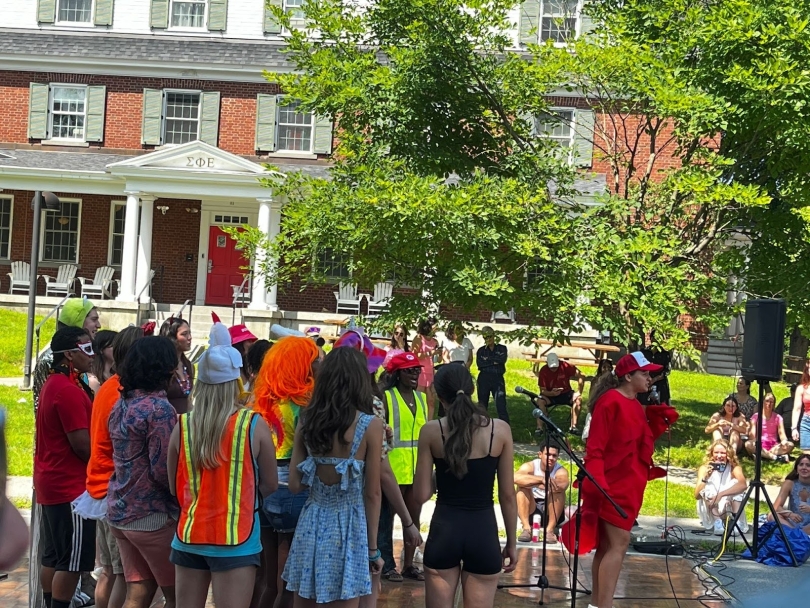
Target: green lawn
x=19 y=430
x=12 y=341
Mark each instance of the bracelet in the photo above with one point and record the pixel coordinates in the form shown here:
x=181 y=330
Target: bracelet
x=408 y=525
x=377 y=555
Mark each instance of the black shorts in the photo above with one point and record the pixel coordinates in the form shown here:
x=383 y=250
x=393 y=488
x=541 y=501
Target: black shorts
x=458 y=536
x=68 y=541
x=561 y=399
x=213 y=564
x=540 y=509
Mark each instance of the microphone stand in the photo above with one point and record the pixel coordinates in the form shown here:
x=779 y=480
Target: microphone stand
x=582 y=473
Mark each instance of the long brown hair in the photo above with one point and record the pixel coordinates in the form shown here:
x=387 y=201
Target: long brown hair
x=794 y=474
x=806 y=374
x=454 y=386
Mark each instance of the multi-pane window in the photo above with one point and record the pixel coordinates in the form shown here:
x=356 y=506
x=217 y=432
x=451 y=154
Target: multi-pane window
x=294 y=129
x=332 y=264
x=68 y=112
x=557 y=125
x=75 y=11
x=294 y=8
x=182 y=123
x=558 y=20
x=5 y=226
x=188 y=14
x=60 y=240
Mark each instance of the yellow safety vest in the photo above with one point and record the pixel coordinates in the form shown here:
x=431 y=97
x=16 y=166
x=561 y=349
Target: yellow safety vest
x=406 y=426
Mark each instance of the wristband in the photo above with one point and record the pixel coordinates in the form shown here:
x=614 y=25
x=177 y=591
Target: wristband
x=377 y=555
x=408 y=525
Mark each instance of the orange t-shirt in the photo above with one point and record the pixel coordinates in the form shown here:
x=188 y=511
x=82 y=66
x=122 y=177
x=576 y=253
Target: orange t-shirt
x=100 y=466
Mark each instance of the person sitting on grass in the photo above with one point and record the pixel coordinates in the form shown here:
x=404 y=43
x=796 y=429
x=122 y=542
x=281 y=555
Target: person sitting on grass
x=720 y=487
x=728 y=423
x=775 y=444
x=534 y=498
x=795 y=491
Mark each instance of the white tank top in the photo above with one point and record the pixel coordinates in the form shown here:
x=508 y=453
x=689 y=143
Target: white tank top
x=540 y=493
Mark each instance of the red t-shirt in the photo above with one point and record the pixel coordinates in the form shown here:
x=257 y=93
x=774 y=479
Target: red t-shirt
x=59 y=475
x=557 y=378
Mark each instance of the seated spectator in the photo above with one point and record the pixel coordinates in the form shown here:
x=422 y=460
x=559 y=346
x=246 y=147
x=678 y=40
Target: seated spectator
x=747 y=403
x=534 y=498
x=554 y=380
x=785 y=409
x=775 y=444
x=795 y=491
x=720 y=487
x=728 y=423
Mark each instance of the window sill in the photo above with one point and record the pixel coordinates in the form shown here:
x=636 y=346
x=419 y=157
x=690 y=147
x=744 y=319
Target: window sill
x=189 y=30
x=72 y=25
x=293 y=154
x=65 y=142
x=57 y=265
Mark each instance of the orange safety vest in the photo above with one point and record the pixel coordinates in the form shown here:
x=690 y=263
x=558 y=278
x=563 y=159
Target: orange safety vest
x=218 y=506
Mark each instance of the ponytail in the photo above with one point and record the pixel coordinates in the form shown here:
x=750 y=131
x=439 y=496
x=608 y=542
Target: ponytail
x=601 y=385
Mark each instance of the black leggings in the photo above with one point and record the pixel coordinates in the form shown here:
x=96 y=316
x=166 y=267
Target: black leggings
x=459 y=536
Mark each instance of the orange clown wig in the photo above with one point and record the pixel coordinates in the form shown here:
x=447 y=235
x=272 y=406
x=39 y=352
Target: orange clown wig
x=283 y=385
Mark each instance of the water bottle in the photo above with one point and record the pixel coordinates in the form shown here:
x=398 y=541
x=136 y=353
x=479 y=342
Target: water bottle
x=655 y=398
x=535 y=528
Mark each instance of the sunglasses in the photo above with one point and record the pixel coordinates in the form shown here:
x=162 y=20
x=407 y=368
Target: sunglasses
x=85 y=347
x=411 y=370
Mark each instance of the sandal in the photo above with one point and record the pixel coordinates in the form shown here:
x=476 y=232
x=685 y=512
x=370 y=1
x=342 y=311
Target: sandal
x=392 y=576
x=413 y=573
x=525 y=537
x=551 y=538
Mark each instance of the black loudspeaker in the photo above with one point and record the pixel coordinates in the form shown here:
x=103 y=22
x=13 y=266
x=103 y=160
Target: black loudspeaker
x=764 y=339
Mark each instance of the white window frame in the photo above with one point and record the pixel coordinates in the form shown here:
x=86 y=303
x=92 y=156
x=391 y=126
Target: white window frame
x=78 y=234
x=318 y=265
x=88 y=23
x=165 y=118
x=283 y=103
x=10 y=199
x=186 y=28
x=572 y=126
x=51 y=88
x=577 y=22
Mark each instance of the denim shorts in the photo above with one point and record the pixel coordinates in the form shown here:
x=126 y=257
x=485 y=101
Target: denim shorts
x=804 y=433
x=213 y=564
x=283 y=508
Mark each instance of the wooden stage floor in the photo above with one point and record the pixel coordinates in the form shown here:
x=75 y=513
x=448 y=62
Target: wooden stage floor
x=643 y=583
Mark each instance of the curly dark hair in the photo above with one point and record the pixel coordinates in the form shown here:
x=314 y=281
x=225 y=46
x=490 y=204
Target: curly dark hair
x=123 y=342
x=149 y=365
x=66 y=338
x=252 y=361
x=342 y=388
x=425 y=325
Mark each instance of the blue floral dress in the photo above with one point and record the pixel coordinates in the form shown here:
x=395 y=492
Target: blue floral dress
x=331 y=536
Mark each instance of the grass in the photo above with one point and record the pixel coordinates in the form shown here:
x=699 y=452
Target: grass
x=19 y=430
x=12 y=341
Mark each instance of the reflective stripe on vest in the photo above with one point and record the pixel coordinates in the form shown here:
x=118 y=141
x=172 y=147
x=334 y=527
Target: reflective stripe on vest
x=217 y=506
x=402 y=456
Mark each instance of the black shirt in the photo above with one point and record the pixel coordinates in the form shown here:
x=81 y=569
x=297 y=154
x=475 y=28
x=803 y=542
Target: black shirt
x=492 y=360
x=785 y=409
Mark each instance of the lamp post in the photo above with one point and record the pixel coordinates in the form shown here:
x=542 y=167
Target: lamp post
x=51 y=202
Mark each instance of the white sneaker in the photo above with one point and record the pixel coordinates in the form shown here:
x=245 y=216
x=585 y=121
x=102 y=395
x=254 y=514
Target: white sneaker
x=719 y=530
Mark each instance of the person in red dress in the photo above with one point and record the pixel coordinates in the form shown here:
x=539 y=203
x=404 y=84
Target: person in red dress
x=619 y=456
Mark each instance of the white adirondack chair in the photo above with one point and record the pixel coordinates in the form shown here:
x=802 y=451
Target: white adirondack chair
x=20 y=277
x=347 y=299
x=503 y=315
x=378 y=303
x=62 y=285
x=99 y=285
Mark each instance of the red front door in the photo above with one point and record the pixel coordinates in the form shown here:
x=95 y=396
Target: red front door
x=226 y=267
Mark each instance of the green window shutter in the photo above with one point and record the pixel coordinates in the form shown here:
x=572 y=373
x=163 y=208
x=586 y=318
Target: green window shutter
x=104 y=12
x=151 y=127
x=217 y=15
x=94 y=125
x=209 y=117
x=529 y=25
x=159 y=14
x=583 y=138
x=38 y=111
x=322 y=143
x=266 y=123
x=46 y=11
x=271 y=24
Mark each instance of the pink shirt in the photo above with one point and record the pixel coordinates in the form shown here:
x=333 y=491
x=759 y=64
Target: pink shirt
x=770 y=429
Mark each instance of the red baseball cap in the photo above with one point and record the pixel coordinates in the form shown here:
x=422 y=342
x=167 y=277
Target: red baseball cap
x=402 y=361
x=634 y=362
x=240 y=333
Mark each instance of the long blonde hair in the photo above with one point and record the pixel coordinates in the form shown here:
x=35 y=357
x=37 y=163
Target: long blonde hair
x=731 y=457
x=213 y=406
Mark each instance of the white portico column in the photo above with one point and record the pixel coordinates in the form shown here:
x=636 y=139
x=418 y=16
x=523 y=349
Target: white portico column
x=270 y=225
x=130 y=253
x=145 y=245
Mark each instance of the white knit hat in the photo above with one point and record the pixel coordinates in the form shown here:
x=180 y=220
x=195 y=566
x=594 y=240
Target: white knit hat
x=221 y=362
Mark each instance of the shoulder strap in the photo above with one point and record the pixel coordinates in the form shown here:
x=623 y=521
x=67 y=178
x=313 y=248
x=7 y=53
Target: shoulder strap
x=359 y=431
x=491 y=435
x=441 y=429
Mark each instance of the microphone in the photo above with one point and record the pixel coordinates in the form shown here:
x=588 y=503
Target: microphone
x=522 y=391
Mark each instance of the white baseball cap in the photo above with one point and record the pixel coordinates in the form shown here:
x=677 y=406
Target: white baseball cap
x=553 y=361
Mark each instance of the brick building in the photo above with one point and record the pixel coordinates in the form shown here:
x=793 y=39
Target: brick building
x=151 y=120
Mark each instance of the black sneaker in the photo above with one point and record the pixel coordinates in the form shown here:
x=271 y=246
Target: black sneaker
x=574 y=431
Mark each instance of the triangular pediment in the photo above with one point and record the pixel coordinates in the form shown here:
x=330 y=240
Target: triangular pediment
x=193 y=157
